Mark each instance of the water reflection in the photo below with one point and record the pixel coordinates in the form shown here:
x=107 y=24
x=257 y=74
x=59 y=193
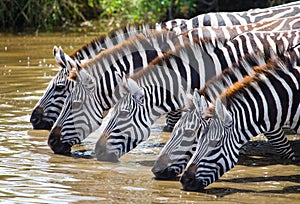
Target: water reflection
x=31 y=173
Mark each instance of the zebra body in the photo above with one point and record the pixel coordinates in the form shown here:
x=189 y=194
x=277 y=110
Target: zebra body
x=125 y=131
x=233 y=18
x=241 y=112
x=49 y=106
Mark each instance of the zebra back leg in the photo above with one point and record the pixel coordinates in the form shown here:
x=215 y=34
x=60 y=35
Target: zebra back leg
x=171 y=119
x=280 y=142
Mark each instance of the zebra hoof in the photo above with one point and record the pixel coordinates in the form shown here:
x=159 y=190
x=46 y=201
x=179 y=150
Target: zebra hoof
x=168 y=129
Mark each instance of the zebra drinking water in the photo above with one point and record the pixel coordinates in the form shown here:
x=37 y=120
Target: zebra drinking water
x=49 y=106
x=261 y=103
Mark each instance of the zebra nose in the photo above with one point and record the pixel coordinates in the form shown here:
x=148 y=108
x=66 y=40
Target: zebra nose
x=55 y=143
x=162 y=170
x=37 y=119
x=189 y=181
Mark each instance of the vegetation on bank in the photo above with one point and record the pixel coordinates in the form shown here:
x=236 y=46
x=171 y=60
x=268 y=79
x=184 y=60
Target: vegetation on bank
x=68 y=15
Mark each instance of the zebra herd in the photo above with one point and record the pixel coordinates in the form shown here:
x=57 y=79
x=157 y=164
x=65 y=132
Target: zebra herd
x=221 y=78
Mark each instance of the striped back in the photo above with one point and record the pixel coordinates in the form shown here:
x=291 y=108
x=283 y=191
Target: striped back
x=234 y=18
x=241 y=112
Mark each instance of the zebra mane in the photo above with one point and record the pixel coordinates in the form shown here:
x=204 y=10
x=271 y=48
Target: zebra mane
x=146 y=41
x=100 y=39
x=181 y=52
x=218 y=83
x=270 y=68
x=116 y=34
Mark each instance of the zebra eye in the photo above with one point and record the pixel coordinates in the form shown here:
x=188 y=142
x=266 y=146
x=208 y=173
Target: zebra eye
x=124 y=113
x=59 y=87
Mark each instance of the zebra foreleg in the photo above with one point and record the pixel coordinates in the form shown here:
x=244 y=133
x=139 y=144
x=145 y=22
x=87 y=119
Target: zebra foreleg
x=279 y=141
x=171 y=119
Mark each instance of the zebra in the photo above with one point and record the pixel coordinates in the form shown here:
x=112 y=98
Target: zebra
x=131 y=119
x=175 y=155
x=261 y=103
x=48 y=108
x=233 y=18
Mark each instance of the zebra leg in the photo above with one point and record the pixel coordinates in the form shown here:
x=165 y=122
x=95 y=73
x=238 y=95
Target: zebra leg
x=172 y=118
x=279 y=141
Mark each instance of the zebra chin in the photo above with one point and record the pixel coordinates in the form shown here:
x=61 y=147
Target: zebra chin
x=190 y=182
x=38 y=121
x=55 y=143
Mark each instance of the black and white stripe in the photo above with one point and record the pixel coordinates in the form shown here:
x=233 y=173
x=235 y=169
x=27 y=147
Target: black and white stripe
x=126 y=58
x=50 y=104
x=261 y=103
x=190 y=69
x=233 y=18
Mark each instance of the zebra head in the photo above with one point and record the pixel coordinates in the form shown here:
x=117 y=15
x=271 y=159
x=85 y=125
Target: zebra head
x=216 y=151
x=175 y=155
x=67 y=131
x=49 y=106
x=123 y=130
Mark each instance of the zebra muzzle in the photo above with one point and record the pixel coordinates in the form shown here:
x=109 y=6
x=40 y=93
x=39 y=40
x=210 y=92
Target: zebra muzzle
x=189 y=181
x=162 y=170
x=37 y=119
x=55 y=143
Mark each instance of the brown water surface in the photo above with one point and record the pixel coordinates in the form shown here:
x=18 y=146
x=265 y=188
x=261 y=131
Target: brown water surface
x=31 y=173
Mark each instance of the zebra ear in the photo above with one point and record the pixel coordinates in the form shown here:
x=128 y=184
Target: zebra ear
x=200 y=102
x=135 y=90
x=86 y=79
x=64 y=60
x=223 y=113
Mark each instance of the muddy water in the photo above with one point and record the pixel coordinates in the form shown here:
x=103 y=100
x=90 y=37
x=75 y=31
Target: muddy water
x=31 y=173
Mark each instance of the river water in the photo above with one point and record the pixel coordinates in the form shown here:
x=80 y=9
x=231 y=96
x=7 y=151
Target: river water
x=31 y=173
